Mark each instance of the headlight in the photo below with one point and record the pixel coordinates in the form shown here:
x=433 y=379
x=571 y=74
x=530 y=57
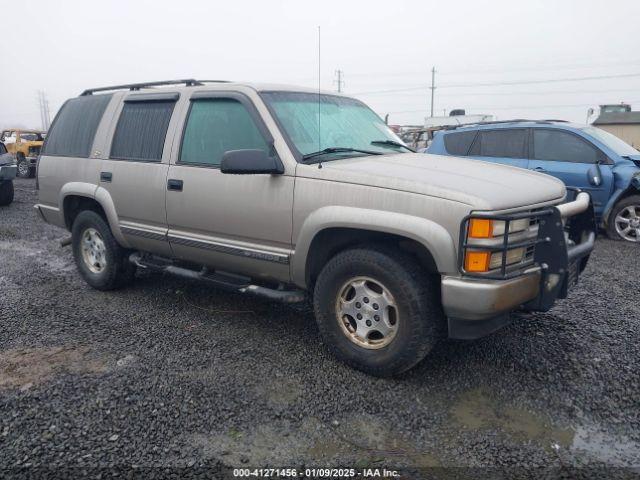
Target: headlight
x=492 y=232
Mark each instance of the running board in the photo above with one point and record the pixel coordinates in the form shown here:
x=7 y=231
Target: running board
x=223 y=280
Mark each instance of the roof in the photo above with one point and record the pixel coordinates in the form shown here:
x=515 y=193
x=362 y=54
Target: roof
x=516 y=123
x=614 y=118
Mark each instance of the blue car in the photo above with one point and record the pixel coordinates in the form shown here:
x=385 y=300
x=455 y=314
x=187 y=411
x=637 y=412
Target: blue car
x=581 y=156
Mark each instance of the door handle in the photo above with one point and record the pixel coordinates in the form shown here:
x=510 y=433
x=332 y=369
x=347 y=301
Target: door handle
x=540 y=169
x=173 y=184
x=106 y=176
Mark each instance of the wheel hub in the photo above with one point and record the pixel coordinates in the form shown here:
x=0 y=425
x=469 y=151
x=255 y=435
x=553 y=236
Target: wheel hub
x=627 y=223
x=93 y=250
x=367 y=313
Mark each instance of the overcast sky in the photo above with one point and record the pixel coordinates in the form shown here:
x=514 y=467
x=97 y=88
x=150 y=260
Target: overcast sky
x=386 y=50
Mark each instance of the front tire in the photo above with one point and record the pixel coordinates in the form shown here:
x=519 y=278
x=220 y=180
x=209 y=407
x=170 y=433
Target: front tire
x=23 y=166
x=624 y=221
x=6 y=192
x=101 y=261
x=378 y=310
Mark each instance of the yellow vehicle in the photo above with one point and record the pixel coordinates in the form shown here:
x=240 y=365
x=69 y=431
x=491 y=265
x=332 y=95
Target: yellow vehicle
x=25 y=147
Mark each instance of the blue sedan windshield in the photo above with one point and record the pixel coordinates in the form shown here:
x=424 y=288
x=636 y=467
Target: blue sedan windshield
x=314 y=122
x=620 y=147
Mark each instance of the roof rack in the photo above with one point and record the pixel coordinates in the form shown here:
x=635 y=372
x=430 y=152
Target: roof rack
x=189 y=82
x=497 y=122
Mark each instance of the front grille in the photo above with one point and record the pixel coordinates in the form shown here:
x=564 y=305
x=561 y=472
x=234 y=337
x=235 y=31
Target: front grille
x=34 y=151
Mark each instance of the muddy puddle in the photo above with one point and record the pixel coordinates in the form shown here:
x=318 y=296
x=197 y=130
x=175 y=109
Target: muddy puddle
x=478 y=410
x=25 y=367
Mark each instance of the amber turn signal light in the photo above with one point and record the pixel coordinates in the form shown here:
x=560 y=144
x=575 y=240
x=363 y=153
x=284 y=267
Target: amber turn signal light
x=475 y=261
x=480 y=228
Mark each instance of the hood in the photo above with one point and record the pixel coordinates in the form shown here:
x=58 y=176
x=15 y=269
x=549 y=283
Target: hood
x=634 y=158
x=481 y=185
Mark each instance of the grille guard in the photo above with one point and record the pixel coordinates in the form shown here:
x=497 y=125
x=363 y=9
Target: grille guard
x=560 y=258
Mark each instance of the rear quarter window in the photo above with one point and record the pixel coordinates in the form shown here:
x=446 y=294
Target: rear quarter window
x=74 y=128
x=459 y=143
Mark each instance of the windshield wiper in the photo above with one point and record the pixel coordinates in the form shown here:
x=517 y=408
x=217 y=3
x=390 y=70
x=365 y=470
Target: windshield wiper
x=392 y=143
x=326 y=151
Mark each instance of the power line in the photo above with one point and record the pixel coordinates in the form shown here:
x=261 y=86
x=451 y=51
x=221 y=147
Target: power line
x=492 y=84
x=515 y=107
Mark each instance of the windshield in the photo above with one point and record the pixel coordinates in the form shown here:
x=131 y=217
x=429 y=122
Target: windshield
x=620 y=147
x=344 y=122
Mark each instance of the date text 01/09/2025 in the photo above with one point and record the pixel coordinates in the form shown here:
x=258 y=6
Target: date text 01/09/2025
x=315 y=473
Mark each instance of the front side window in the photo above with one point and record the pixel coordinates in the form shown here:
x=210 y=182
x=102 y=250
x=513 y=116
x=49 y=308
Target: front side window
x=555 y=145
x=141 y=130
x=216 y=126
x=314 y=122
x=503 y=143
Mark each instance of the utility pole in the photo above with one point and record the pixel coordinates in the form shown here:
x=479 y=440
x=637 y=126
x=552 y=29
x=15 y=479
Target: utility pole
x=433 y=87
x=339 y=81
x=43 y=104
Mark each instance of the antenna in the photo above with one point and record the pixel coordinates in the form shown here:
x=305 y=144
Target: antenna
x=319 y=124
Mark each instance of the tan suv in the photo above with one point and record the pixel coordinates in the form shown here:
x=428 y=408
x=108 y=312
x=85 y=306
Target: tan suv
x=283 y=192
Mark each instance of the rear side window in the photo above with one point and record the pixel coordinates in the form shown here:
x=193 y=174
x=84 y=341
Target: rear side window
x=216 y=126
x=141 y=130
x=501 y=143
x=458 y=143
x=74 y=128
x=562 y=147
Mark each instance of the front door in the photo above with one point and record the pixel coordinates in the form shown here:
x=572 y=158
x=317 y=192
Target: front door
x=235 y=223
x=573 y=160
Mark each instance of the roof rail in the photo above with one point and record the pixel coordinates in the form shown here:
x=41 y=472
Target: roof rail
x=190 y=82
x=497 y=122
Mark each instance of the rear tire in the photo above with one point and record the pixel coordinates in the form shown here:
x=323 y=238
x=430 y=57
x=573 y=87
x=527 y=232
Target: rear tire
x=101 y=261
x=6 y=192
x=622 y=217
x=387 y=274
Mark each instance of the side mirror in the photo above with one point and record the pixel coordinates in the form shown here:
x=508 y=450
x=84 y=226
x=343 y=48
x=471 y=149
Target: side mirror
x=244 y=162
x=595 y=176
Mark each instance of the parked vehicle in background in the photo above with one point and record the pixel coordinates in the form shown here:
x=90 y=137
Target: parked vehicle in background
x=7 y=174
x=395 y=247
x=25 y=146
x=582 y=156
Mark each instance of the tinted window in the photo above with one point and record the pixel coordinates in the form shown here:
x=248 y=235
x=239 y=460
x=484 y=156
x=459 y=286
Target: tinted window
x=216 y=126
x=141 y=130
x=75 y=126
x=501 y=143
x=459 y=143
x=562 y=147
x=3 y=150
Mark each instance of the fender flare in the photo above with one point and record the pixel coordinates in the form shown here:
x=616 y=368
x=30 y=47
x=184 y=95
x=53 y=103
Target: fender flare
x=100 y=195
x=615 y=198
x=434 y=237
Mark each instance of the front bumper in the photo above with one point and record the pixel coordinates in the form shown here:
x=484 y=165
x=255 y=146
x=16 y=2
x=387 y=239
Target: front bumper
x=477 y=305
x=8 y=172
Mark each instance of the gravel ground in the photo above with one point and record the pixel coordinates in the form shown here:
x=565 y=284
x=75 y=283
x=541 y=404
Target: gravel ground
x=174 y=376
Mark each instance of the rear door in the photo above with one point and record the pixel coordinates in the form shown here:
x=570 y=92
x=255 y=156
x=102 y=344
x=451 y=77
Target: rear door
x=135 y=172
x=508 y=146
x=572 y=159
